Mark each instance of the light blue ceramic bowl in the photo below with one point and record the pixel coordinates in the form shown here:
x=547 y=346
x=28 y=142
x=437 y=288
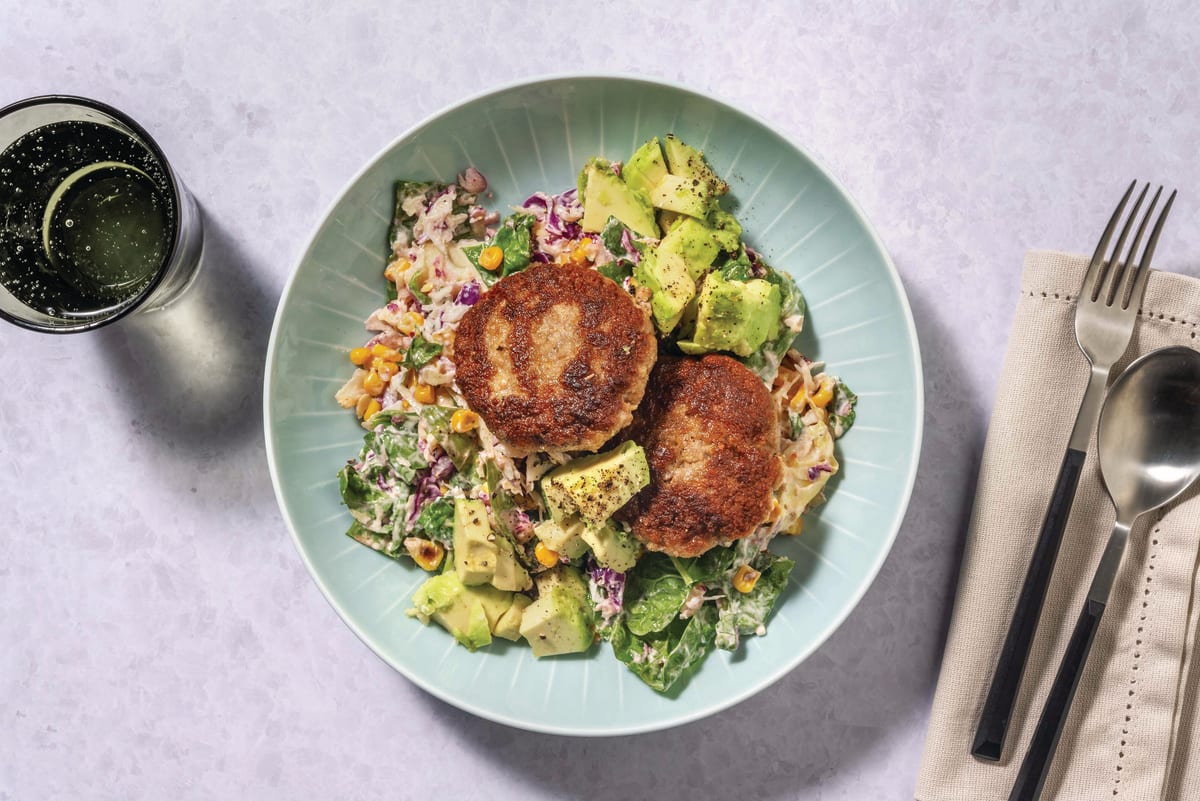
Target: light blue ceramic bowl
x=536 y=136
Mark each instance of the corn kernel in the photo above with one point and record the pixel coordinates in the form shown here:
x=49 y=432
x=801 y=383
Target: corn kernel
x=426 y=553
x=392 y=271
x=373 y=408
x=745 y=578
x=360 y=407
x=491 y=258
x=410 y=322
x=373 y=384
x=799 y=400
x=359 y=356
x=385 y=368
x=776 y=510
x=384 y=352
x=544 y=555
x=463 y=420
x=423 y=393
x=579 y=254
x=824 y=393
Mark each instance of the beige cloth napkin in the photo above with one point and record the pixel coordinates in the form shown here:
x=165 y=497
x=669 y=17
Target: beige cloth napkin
x=1134 y=730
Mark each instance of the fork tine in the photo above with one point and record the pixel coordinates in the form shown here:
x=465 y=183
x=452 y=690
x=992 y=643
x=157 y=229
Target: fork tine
x=1132 y=265
x=1153 y=243
x=1116 y=265
x=1094 y=275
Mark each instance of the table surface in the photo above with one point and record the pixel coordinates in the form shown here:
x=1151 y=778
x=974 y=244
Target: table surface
x=160 y=637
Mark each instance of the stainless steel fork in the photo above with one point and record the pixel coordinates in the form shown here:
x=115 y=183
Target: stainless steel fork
x=1105 y=311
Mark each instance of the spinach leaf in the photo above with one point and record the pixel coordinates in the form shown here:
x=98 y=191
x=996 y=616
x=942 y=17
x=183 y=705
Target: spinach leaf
x=515 y=240
x=461 y=448
x=401 y=220
x=617 y=270
x=742 y=613
x=841 y=414
x=654 y=594
x=377 y=542
x=662 y=659
x=399 y=446
x=370 y=505
x=501 y=501
x=377 y=484
x=421 y=352
x=709 y=568
x=415 y=282
x=436 y=521
x=738 y=268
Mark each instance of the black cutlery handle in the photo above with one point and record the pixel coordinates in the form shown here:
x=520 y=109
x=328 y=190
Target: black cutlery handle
x=1006 y=680
x=1036 y=765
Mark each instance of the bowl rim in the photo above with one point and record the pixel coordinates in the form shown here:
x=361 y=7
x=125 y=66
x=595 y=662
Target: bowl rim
x=784 y=667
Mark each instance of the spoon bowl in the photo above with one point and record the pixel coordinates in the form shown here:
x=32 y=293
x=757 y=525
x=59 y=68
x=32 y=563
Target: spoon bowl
x=1149 y=433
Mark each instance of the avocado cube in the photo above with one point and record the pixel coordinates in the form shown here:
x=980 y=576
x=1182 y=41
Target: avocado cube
x=452 y=605
x=596 y=486
x=645 y=168
x=688 y=196
x=666 y=275
x=736 y=316
x=694 y=242
x=559 y=621
x=605 y=195
x=688 y=162
x=565 y=578
x=612 y=547
x=475 y=549
x=562 y=538
x=494 y=602
x=510 y=574
x=509 y=624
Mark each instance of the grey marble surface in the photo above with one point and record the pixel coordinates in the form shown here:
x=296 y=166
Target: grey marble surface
x=160 y=637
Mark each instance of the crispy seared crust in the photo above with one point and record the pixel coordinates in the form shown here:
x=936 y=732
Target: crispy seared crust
x=555 y=357
x=711 y=436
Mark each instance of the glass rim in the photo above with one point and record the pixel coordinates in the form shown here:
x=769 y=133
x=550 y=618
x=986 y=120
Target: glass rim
x=177 y=201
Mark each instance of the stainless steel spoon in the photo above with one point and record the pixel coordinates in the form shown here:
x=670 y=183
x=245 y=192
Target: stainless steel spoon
x=1149 y=445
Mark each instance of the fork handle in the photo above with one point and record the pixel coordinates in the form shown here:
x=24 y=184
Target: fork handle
x=1036 y=765
x=1006 y=680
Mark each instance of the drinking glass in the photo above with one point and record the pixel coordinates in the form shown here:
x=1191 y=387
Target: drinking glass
x=94 y=223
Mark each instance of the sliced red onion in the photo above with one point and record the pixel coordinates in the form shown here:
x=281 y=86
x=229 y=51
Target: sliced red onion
x=472 y=180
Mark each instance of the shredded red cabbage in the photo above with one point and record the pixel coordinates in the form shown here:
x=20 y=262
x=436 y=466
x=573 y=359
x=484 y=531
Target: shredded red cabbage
x=468 y=295
x=818 y=469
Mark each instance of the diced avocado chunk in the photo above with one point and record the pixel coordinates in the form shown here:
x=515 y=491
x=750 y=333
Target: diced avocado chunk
x=645 y=168
x=612 y=547
x=559 y=621
x=666 y=219
x=566 y=578
x=605 y=195
x=452 y=605
x=688 y=162
x=726 y=230
x=562 y=537
x=509 y=624
x=494 y=602
x=475 y=549
x=510 y=573
x=676 y=193
x=694 y=242
x=667 y=277
x=596 y=486
x=736 y=316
